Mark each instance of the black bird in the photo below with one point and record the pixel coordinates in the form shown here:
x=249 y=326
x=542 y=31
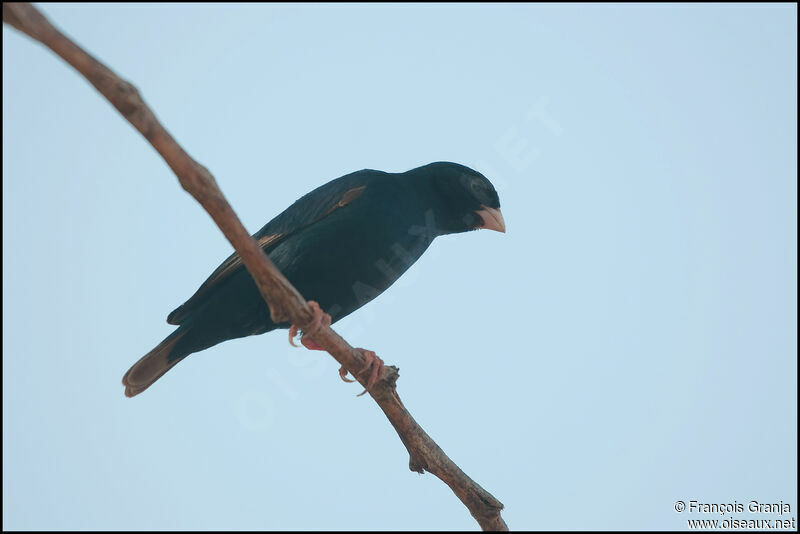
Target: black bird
x=340 y=245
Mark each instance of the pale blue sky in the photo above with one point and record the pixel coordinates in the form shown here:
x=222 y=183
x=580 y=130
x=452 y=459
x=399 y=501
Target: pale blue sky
x=631 y=341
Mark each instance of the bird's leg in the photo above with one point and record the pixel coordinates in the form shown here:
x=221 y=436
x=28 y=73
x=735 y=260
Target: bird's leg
x=321 y=319
x=374 y=364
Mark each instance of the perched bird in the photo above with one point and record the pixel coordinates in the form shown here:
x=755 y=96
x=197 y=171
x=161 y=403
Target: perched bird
x=341 y=245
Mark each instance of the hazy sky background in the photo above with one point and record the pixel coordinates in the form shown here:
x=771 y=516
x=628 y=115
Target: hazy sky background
x=630 y=342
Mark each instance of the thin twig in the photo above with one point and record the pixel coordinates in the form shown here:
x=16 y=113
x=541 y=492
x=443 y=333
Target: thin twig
x=285 y=303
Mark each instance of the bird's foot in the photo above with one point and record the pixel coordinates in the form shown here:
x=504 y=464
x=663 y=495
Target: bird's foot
x=374 y=363
x=321 y=319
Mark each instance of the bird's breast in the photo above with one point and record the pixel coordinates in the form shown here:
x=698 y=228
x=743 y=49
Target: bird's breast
x=355 y=255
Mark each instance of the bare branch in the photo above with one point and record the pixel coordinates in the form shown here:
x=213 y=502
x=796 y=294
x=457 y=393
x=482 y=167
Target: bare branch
x=285 y=303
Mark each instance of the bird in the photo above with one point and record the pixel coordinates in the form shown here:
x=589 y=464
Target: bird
x=341 y=245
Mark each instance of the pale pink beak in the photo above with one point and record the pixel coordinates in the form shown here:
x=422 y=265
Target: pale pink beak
x=492 y=219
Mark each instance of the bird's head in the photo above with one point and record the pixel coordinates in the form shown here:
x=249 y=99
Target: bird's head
x=466 y=200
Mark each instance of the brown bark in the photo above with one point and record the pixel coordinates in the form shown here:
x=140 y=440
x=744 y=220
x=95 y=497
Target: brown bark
x=285 y=303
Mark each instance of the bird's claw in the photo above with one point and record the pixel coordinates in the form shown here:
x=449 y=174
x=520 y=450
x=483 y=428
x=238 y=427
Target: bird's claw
x=343 y=374
x=320 y=320
x=292 y=334
x=375 y=364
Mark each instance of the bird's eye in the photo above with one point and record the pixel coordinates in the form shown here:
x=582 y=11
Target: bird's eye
x=478 y=187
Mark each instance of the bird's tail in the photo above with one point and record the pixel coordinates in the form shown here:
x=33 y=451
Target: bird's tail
x=153 y=364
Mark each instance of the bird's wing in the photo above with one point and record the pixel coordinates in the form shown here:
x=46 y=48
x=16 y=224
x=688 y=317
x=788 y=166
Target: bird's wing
x=308 y=210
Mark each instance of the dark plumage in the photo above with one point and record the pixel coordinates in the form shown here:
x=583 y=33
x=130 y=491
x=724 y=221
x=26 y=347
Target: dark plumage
x=341 y=245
